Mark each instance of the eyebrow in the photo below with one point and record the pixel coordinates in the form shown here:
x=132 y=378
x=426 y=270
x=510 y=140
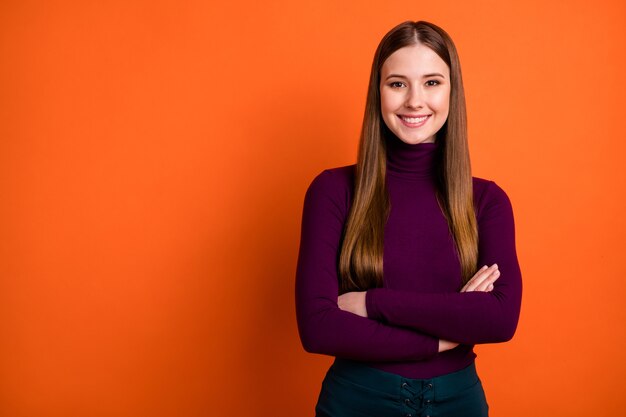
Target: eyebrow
x=433 y=74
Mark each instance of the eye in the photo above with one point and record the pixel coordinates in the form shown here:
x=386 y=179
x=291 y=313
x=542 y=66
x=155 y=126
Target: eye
x=396 y=84
x=432 y=83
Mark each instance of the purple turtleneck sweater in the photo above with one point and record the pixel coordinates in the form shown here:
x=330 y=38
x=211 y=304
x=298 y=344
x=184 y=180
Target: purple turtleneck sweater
x=420 y=301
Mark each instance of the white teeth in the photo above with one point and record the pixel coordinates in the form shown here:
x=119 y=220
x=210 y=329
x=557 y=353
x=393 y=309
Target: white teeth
x=414 y=119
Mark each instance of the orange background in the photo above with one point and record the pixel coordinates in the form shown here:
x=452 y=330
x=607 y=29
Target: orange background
x=153 y=163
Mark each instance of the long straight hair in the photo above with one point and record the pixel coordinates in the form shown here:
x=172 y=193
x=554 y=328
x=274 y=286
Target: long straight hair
x=361 y=257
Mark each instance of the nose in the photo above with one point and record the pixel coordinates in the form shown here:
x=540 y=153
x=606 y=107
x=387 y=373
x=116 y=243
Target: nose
x=414 y=99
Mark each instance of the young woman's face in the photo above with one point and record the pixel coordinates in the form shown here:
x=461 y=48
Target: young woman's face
x=415 y=93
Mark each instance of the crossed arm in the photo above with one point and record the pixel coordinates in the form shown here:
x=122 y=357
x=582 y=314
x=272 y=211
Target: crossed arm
x=388 y=325
x=467 y=317
x=482 y=281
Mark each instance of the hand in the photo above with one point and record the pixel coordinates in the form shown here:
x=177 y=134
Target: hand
x=353 y=302
x=446 y=345
x=483 y=279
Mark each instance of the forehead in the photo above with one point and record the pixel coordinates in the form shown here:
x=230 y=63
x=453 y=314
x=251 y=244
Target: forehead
x=413 y=61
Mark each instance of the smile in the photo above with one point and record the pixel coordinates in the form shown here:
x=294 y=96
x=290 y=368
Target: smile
x=413 y=121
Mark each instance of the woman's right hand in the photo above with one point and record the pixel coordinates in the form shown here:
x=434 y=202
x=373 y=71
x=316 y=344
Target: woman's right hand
x=446 y=345
x=483 y=279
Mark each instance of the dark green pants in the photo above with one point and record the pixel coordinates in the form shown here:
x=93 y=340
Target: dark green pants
x=351 y=389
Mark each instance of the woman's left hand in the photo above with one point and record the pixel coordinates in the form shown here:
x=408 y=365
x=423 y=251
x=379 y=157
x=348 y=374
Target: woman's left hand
x=353 y=302
x=483 y=279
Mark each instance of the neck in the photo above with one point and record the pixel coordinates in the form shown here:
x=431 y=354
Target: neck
x=411 y=161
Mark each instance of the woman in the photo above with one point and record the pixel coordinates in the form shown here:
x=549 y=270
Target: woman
x=407 y=261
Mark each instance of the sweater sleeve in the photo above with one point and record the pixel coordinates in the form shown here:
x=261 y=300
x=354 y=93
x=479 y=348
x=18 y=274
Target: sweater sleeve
x=323 y=327
x=468 y=317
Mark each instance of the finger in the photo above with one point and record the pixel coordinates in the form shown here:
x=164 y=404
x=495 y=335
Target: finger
x=484 y=285
x=487 y=281
x=480 y=277
x=472 y=281
x=341 y=301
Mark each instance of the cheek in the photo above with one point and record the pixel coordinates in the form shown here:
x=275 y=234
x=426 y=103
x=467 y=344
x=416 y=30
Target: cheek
x=441 y=105
x=389 y=102
x=386 y=109
x=384 y=102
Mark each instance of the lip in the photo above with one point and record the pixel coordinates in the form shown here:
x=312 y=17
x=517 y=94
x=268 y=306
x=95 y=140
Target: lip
x=413 y=125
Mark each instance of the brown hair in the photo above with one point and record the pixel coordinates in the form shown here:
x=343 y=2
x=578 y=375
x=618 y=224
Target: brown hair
x=361 y=258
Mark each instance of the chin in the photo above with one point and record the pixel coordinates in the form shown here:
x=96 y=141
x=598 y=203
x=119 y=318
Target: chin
x=415 y=141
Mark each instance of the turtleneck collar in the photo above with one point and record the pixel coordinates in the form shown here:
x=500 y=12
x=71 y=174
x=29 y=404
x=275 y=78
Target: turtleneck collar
x=411 y=161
